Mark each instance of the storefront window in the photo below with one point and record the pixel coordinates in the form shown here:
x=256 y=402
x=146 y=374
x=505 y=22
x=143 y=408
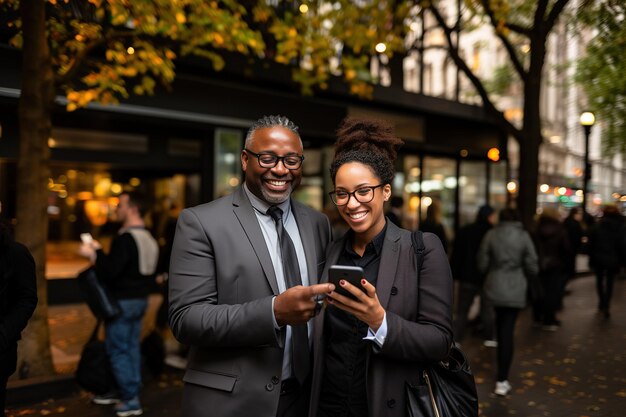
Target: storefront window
x=472 y=190
x=497 y=187
x=228 y=143
x=438 y=188
x=83 y=199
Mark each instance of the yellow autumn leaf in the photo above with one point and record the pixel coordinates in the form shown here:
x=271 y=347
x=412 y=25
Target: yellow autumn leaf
x=180 y=17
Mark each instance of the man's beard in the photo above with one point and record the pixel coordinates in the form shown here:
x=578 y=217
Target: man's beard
x=276 y=198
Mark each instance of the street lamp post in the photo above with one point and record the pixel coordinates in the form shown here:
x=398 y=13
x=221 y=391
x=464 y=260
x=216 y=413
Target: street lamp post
x=587 y=119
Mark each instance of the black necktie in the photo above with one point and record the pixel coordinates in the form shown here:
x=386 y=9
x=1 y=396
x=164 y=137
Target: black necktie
x=291 y=272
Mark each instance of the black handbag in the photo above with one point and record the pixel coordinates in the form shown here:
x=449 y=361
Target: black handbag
x=97 y=296
x=446 y=388
x=94 y=369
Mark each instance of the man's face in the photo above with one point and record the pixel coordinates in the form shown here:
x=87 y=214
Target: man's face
x=272 y=185
x=122 y=208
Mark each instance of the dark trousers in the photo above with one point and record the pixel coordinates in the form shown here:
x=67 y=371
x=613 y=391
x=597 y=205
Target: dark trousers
x=3 y=393
x=505 y=328
x=604 y=287
x=294 y=398
x=467 y=292
x=554 y=284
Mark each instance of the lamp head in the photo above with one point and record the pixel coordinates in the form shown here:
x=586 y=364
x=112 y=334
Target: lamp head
x=587 y=118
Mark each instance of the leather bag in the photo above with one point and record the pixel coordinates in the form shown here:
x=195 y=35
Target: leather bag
x=446 y=388
x=97 y=296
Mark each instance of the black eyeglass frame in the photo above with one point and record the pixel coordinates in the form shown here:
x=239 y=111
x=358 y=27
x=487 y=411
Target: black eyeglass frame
x=278 y=158
x=333 y=195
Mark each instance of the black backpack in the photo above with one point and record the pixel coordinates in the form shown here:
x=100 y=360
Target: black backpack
x=94 y=370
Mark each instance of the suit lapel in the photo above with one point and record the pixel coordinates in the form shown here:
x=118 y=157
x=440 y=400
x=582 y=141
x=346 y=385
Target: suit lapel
x=247 y=218
x=388 y=264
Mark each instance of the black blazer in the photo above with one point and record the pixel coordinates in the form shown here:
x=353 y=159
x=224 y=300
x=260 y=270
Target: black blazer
x=418 y=320
x=18 y=299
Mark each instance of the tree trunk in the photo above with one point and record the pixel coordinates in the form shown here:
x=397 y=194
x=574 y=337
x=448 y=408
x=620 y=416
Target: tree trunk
x=531 y=135
x=36 y=101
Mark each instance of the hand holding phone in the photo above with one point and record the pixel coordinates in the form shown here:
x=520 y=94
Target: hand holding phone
x=352 y=274
x=86 y=238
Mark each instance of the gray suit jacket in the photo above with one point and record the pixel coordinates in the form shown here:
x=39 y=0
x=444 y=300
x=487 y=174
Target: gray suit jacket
x=220 y=289
x=418 y=320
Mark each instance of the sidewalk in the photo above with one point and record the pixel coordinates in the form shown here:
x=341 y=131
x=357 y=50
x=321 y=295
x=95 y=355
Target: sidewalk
x=577 y=371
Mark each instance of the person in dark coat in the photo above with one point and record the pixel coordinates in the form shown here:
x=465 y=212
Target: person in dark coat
x=553 y=251
x=606 y=251
x=18 y=299
x=574 y=230
x=465 y=270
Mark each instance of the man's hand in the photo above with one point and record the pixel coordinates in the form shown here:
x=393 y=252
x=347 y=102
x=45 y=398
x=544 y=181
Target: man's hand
x=298 y=304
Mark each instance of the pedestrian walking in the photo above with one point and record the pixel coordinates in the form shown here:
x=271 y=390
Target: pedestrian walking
x=553 y=251
x=574 y=230
x=243 y=282
x=366 y=350
x=470 y=279
x=607 y=251
x=128 y=271
x=507 y=256
x=18 y=300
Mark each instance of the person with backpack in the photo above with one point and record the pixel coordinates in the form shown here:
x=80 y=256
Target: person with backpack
x=18 y=300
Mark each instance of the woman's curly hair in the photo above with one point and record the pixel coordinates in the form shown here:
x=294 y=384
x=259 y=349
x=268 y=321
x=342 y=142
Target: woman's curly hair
x=370 y=142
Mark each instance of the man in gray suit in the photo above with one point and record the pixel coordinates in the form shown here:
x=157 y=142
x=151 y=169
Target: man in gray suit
x=232 y=295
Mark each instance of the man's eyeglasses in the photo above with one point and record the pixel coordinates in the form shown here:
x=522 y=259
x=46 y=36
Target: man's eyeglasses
x=269 y=160
x=362 y=195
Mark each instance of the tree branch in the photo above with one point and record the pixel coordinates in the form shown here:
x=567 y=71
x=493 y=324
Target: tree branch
x=460 y=63
x=77 y=61
x=554 y=14
x=519 y=68
x=81 y=56
x=520 y=30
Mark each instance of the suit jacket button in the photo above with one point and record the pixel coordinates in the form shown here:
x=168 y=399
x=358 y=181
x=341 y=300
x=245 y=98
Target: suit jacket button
x=391 y=403
x=394 y=290
x=269 y=387
x=275 y=380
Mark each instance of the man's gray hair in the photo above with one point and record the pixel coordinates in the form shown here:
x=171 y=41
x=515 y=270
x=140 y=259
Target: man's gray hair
x=271 y=121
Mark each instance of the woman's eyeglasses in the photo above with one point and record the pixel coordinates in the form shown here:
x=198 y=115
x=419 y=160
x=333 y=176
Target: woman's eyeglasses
x=362 y=195
x=269 y=160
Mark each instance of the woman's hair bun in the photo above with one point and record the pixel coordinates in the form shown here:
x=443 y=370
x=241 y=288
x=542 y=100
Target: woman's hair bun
x=368 y=135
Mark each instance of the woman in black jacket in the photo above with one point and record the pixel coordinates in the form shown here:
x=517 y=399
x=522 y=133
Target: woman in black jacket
x=18 y=299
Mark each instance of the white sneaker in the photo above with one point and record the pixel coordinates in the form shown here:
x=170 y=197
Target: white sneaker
x=176 y=361
x=490 y=343
x=502 y=388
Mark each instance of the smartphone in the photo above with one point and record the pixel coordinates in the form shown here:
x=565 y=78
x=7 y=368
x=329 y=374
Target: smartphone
x=86 y=238
x=352 y=274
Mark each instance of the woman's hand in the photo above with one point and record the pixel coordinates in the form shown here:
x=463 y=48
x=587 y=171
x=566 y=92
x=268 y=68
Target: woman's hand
x=366 y=308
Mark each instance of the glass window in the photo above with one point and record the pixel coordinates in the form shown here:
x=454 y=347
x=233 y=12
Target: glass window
x=228 y=144
x=472 y=190
x=438 y=192
x=82 y=198
x=498 y=193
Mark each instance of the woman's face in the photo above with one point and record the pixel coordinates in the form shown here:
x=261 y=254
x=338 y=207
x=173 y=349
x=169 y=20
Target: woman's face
x=367 y=219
